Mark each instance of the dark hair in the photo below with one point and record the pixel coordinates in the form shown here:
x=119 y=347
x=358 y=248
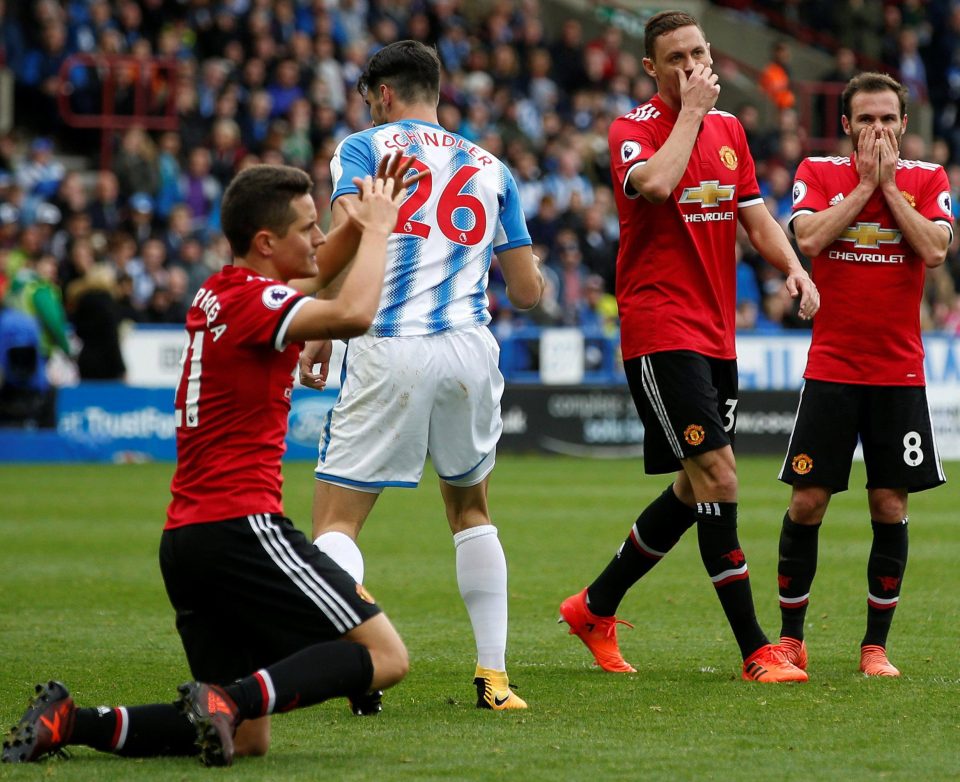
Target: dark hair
x=870 y=81
x=663 y=23
x=259 y=197
x=410 y=68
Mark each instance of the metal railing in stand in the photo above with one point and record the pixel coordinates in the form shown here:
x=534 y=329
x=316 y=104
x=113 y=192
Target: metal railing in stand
x=818 y=104
x=152 y=80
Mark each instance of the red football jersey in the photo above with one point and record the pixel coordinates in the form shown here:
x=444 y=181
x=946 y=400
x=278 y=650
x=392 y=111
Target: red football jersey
x=870 y=279
x=676 y=268
x=233 y=399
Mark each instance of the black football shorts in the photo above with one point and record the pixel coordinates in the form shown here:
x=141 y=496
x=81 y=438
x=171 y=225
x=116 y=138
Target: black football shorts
x=687 y=403
x=250 y=591
x=892 y=423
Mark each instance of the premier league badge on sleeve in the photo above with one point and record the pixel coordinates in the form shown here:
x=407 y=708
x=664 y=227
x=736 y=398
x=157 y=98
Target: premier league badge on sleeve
x=629 y=150
x=799 y=191
x=275 y=296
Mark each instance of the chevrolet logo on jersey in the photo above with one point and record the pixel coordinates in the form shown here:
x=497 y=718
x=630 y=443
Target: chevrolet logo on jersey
x=869 y=235
x=708 y=194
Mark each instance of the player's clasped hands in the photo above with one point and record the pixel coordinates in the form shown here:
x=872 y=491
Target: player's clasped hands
x=877 y=155
x=701 y=89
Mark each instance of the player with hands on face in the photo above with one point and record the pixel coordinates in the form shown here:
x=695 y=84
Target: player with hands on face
x=684 y=180
x=872 y=224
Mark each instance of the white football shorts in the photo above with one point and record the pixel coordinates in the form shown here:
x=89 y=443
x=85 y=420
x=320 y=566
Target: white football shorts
x=404 y=397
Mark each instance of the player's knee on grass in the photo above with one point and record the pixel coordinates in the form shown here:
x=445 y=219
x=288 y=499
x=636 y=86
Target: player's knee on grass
x=388 y=654
x=252 y=738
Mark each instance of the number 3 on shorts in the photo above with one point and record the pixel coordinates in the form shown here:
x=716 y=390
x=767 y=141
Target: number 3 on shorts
x=729 y=418
x=912 y=454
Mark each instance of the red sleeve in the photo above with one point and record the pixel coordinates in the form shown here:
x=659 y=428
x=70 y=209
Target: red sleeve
x=263 y=311
x=934 y=202
x=748 y=187
x=808 y=192
x=632 y=142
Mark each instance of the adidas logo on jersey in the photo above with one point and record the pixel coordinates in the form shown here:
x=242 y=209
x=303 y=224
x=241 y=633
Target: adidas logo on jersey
x=836 y=199
x=645 y=112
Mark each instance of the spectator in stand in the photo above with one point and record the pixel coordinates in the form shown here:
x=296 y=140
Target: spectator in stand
x=890 y=35
x=844 y=68
x=38 y=77
x=571 y=274
x=140 y=222
x=164 y=308
x=913 y=72
x=545 y=224
x=34 y=291
x=12 y=38
x=72 y=197
x=92 y=306
x=79 y=260
x=567 y=57
x=47 y=219
x=41 y=175
x=775 y=77
x=26 y=398
x=285 y=88
x=136 y=164
x=226 y=150
x=913 y=147
x=608 y=46
x=190 y=259
x=168 y=175
x=148 y=272
x=777 y=190
x=106 y=213
x=201 y=191
x=599 y=249
x=329 y=70
x=27 y=249
x=296 y=148
x=129 y=313
x=255 y=124
x=598 y=309
x=567 y=181
x=179 y=229
x=192 y=125
x=857 y=24
x=9 y=229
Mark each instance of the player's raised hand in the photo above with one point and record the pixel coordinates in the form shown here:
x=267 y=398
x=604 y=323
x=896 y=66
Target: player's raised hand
x=396 y=165
x=377 y=207
x=699 y=90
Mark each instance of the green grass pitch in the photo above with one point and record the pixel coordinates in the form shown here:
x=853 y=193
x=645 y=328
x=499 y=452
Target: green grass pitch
x=82 y=601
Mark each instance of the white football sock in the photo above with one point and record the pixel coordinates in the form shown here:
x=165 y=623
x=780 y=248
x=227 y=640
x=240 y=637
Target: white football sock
x=342 y=549
x=482 y=577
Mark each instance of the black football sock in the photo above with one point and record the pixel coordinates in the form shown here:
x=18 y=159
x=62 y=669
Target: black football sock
x=795 y=571
x=727 y=567
x=325 y=670
x=888 y=560
x=136 y=731
x=655 y=532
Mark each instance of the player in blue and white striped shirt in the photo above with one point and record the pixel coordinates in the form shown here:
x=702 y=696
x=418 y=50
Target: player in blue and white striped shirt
x=424 y=378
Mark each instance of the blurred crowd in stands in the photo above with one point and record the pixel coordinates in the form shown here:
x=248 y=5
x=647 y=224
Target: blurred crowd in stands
x=84 y=250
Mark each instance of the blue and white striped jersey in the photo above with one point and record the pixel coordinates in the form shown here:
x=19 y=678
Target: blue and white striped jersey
x=449 y=226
